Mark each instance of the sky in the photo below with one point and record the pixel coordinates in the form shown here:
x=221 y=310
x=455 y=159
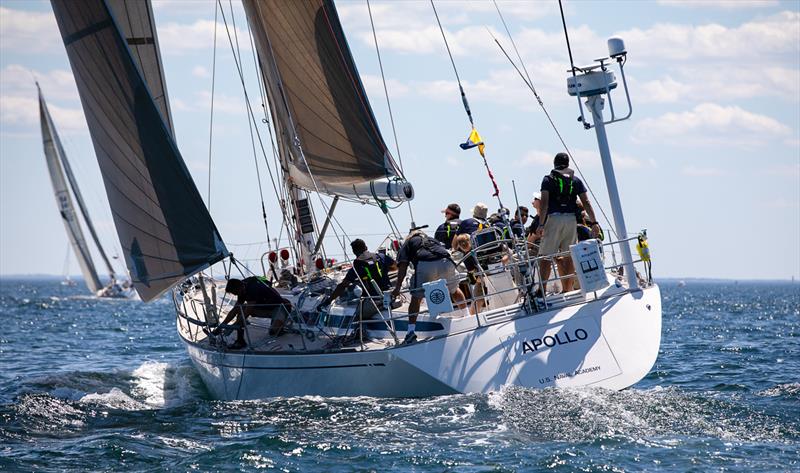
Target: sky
x=709 y=162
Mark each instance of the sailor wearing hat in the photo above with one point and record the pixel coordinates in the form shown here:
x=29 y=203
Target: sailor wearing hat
x=448 y=230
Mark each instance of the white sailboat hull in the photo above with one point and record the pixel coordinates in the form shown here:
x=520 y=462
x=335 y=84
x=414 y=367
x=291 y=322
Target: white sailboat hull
x=612 y=343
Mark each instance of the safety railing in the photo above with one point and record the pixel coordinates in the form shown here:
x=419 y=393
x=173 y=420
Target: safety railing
x=199 y=318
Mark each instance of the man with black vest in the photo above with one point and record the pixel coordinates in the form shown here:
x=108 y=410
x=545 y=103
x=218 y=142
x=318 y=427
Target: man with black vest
x=431 y=262
x=447 y=231
x=372 y=270
x=560 y=192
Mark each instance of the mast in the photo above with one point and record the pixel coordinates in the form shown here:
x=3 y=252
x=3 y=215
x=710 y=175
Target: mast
x=328 y=138
x=54 y=154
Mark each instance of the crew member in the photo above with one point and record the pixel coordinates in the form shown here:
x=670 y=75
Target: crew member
x=558 y=227
x=477 y=222
x=449 y=228
x=431 y=262
x=372 y=269
x=255 y=298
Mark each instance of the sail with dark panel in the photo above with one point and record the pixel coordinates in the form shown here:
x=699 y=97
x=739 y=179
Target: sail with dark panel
x=135 y=21
x=327 y=134
x=165 y=230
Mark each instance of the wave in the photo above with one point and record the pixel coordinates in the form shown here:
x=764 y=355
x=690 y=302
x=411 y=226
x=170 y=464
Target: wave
x=788 y=390
x=590 y=414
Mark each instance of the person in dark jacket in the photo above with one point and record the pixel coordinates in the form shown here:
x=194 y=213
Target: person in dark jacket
x=255 y=298
x=446 y=231
x=371 y=272
x=477 y=222
x=431 y=262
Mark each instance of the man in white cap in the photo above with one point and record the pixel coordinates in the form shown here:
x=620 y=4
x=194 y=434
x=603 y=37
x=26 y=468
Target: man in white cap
x=477 y=222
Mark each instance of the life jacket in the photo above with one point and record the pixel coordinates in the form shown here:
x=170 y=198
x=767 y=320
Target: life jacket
x=430 y=249
x=450 y=228
x=369 y=269
x=563 y=191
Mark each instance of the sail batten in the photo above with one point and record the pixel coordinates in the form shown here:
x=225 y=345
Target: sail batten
x=328 y=136
x=165 y=230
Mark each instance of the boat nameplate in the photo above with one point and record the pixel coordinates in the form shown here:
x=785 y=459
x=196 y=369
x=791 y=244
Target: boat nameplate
x=570 y=353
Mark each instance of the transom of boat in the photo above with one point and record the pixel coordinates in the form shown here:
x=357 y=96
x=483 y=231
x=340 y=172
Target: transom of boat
x=508 y=272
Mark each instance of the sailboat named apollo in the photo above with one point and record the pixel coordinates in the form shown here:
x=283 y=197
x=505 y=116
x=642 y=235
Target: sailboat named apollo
x=606 y=334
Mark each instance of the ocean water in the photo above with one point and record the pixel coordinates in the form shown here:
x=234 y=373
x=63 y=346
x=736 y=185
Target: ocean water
x=103 y=385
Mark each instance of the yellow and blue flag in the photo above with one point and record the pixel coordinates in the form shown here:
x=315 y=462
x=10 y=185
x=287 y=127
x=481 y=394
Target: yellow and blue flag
x=473 y=141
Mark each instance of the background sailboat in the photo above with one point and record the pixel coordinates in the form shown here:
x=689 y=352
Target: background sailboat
x=63 y=180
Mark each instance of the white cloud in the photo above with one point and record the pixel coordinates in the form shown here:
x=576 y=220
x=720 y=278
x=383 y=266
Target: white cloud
x=695 y=171
x=199 y=71
x=724 y=4
x=24 y=112
x=19 y=104
x=20 y=81
x=179 y=38
x=29 y=32
x=374 y=86
x=719 y=84
x=710 y=123
x=756 y=39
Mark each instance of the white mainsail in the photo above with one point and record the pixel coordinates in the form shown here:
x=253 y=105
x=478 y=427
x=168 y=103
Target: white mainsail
x=54 y=154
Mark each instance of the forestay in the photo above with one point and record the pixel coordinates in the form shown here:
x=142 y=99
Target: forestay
x=54 y=153
x=165 y=230
x=327 y=134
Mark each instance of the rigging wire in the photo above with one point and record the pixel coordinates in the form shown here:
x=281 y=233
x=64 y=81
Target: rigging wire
x=389 y=105
x=211 y=118
x=247 y=100
x=250 y=127
x=529 y=82
x=464 y=101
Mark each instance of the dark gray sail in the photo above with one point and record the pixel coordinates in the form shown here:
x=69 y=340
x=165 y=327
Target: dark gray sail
x=54 y=155
x=328 y=136
x=165 y=230
x=135 y=21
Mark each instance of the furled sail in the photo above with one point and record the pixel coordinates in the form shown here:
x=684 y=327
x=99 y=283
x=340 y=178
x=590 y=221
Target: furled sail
x=135 y=21
x=165 y=230
x=54 y=154
x=327 y=134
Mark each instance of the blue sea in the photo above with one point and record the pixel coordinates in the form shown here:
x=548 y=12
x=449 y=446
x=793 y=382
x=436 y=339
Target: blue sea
x=105 y=385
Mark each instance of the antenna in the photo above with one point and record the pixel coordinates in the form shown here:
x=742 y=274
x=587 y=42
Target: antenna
x=594 y=83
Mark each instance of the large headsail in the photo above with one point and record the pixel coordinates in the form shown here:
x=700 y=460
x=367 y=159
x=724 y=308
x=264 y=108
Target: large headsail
x=164 y=228
x=54 y=154
x=327 y=133
x=135 y=21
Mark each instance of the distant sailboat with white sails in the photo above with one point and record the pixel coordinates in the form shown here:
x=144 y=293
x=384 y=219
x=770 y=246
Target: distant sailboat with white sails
x=328 y=143
x=63 y=180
